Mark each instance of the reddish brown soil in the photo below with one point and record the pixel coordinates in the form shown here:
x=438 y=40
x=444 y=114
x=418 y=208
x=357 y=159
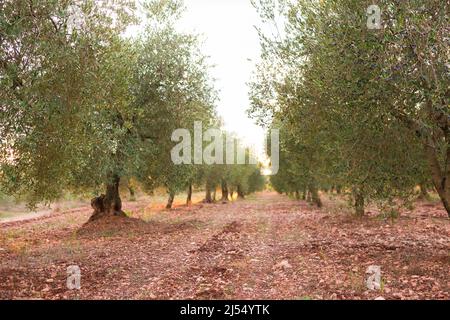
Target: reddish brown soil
x=265 y=247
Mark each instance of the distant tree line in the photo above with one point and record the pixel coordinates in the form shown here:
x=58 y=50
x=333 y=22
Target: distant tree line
x=361 y=110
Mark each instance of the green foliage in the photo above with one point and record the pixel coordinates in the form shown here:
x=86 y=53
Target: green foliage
x=358 y=108
x=55 y=113
x=82 y=106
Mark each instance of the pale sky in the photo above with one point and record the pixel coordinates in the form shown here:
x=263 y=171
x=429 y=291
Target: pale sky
x=231 y=41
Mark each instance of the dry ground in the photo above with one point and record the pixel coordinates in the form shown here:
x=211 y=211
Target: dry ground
x=265 y=247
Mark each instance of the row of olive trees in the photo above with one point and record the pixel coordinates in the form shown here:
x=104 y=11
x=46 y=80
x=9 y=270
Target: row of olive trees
x=84 y=107
x=234 y=181
x=360 y=108
x=231 y=178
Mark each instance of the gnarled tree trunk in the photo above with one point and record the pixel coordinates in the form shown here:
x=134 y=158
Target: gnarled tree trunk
x=108 y=204
x=440 y=176
x=189 y=195
x=224 y=191
x=240 y=192
x=208 y=196
x=170 y=200
x=359 y=203
x=315 y=195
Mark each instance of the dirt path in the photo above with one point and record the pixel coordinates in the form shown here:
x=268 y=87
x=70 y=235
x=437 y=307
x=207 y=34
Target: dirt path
x=265 y=247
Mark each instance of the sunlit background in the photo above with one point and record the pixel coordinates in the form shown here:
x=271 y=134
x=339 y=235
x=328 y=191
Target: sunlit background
x=229 y=38
x=231 y=41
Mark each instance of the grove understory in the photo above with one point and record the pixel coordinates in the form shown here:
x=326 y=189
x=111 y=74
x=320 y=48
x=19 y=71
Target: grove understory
x=267 y=246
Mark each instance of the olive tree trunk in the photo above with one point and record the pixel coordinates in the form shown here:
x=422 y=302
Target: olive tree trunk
x=224 y=191
x=440 y=177
x=359 y=203
x=170 y=200
x=189 y=195
x=208 y=196
x=240 y=192
x=440 y=173
x=315 y=195
x=108 y=204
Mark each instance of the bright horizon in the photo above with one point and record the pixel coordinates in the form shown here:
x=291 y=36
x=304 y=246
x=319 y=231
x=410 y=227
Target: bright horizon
x=226 y=28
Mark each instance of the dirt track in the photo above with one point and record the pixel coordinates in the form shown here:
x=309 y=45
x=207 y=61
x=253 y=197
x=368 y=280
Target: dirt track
x=265 y=247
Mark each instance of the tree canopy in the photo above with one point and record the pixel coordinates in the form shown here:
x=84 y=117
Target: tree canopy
x=84 y=106
x=364 y=109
